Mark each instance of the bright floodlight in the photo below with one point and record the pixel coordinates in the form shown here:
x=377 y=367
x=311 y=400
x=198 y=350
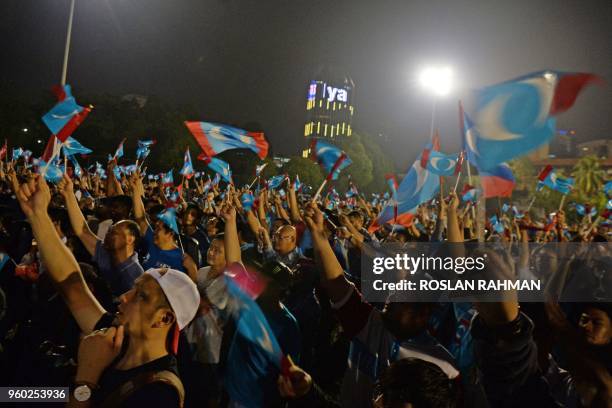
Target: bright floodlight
x=437 y=79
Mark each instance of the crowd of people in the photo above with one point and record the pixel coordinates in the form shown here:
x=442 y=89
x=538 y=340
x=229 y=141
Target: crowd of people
x=104 y=293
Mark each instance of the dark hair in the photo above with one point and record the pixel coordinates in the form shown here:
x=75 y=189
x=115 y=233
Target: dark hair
x=133 y=229
x=196 y=208
x=356 y=213
x=415 y=381
x=605 y=307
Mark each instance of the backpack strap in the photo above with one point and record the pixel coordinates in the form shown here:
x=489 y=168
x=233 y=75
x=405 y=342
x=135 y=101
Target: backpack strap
x=120 y=394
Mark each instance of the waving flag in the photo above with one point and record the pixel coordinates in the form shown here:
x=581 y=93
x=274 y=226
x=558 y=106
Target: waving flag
x=259 y=168
x=17 y=153
x=77 y=168
x=247 y=200
x=215 y=181
x=443 y=164
x=118 y=152
x=417 y=187
x=393 y=186
x=607 y=186
x=432 y=145
x=221 y=168
x=167 y=179
x=100 y=170
x=497 y=225
x=276 y=181
x=66 y=115
x=215 y=138
x=469 y=193
x=352 y=188
x=187 y=169
x=297 y=185
x=118 y=171
x=72 y=146
x=146 y=143
x=168 y=217
x=52 y=172
x=497 y=182
x=142 y=152
x=517 y=116
x=332 y=159
x=254 y=351
x=548 y=177
x=586 y=210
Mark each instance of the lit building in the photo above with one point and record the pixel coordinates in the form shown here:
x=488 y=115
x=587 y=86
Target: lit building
x=329 y=107
x=602 y=148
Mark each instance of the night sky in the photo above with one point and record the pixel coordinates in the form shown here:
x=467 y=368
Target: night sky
x=241 y=61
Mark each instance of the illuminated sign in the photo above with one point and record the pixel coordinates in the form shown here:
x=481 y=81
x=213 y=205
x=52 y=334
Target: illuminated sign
x=312 y=91
x=334 y=94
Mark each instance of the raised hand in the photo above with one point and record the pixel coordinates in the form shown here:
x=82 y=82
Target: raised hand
x=295 y=384
x=454 y=201
x=65 y=186
x=34 y=196
x=228 y=212
x=315 y=221
x=135 y=183
x=97 y=351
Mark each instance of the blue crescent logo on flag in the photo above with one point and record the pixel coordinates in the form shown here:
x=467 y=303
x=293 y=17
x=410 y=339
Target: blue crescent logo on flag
x=322 y=150
x=470 y=138
x=442 y=163
x=523 y=105
x=246 y=139
x=216 y=133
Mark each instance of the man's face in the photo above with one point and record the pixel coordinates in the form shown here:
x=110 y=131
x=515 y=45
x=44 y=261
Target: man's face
x=404 y=320
x=357 y=221
x=161 y=233
x=596 y=327
x=216 y=253
x=118 y=237
x=142 y=308
x=284 y=240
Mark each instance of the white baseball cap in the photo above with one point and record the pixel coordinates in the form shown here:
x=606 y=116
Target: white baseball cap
x=181 y=292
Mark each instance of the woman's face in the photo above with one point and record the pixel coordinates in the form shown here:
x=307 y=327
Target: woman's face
x=596 y=327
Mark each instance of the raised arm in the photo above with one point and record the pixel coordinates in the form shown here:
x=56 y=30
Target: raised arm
x=232 y=243
x=261 y=210
x=138 y=205
x=77 y=220
x=294 y=210
x=333 y=275
x=454 y=232
x=280 y=211
x=62 y=267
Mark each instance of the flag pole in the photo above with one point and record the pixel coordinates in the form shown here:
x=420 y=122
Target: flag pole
x=319 y=190
x=457 y=182
x=562 y=202
x=67 y=46
x=531 y=203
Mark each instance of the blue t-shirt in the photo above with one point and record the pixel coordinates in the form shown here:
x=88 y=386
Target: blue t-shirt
x=161 y=258
x=120 y=277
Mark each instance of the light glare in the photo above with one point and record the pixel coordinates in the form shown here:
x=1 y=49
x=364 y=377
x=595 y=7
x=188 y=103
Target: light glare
x=437 y=79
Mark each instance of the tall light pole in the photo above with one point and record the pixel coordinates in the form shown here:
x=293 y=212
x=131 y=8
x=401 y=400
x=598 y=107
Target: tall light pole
x=67 y=47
